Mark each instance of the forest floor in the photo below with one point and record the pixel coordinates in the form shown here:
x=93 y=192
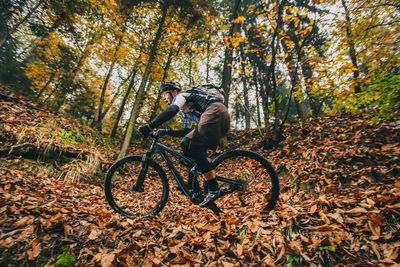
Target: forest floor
x=339 y=203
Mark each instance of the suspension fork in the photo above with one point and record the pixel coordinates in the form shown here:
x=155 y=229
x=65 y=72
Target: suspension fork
x=138 y=187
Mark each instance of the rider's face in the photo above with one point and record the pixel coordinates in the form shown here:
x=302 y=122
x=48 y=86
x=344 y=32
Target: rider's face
x=167 y=97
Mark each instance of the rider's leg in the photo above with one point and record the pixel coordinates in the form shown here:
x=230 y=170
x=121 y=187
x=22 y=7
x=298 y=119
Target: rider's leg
x=213 y=188
x=199 y=154
x=213 y=124
x=211 y=182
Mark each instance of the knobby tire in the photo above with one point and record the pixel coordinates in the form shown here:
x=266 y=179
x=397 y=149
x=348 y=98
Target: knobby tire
x=260 y=190
x=121 y=179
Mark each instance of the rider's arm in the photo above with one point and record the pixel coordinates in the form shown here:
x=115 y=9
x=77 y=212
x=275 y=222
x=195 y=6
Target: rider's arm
x=187 y=127
x=179 y=133
x=164 y=116
x=167 y=114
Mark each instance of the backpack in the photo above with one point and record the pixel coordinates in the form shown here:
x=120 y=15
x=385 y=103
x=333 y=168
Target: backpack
x=211 y=90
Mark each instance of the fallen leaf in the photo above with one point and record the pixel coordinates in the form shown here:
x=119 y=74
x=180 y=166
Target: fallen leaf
x=375 y=249
x=226 y=264
x=208 y=227
x=239 y=249
x=394 y=206
x=313 y=209
x=375 y=229
x=325 y=227
x=281 y=253
x=23 y=221
x=93 y=235
x=107 y=260
x=36 y=249
x=357 y=211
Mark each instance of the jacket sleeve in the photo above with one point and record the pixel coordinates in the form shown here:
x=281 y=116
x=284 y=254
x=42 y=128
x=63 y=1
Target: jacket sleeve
x=179 y=133
x=164 y=116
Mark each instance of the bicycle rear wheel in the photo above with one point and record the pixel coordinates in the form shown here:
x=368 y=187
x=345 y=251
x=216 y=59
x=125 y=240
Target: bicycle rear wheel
x=257 y=182
x=123 y=194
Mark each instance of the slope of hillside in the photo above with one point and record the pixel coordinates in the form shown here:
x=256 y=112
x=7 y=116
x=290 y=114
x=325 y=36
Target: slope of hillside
x=339 y=202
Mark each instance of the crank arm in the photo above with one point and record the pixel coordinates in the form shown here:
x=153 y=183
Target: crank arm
x=215 y=208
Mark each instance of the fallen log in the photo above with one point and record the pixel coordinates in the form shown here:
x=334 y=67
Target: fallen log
x=30 y=150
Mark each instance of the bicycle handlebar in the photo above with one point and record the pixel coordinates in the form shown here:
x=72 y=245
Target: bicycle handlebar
x=157 y=133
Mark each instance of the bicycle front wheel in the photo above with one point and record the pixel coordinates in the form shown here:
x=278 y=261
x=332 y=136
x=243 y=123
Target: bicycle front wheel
x=128 y=197
x=257 y=186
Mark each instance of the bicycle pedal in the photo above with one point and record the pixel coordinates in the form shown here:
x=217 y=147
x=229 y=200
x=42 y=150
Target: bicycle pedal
x=197 y=198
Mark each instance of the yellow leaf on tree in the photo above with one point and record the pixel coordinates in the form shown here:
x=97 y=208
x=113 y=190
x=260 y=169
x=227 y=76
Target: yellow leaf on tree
x=239 y=19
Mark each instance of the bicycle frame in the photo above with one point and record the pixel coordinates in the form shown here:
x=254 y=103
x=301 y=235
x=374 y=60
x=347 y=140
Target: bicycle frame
x=162 y=150
x=233 y=173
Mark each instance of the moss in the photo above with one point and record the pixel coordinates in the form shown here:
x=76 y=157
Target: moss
x=65 y=260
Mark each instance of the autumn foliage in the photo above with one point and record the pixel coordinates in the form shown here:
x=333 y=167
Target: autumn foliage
x=339 y=201
x=104 y=61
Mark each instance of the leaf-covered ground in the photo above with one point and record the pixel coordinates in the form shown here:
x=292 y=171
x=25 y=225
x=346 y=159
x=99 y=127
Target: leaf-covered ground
x=339 y=202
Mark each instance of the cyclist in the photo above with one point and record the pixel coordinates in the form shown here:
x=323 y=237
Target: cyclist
x=213 y=122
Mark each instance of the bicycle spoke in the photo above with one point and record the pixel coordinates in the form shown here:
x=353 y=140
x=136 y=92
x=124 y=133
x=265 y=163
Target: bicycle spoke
x=255 y=181
x=129 y=197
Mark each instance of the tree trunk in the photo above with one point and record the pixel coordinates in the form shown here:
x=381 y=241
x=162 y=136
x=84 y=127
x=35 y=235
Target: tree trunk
x=95 y=36
x=122 y=106
x=100 y=115
x=19 y=23
x=258 y=93
x=264 y=96
x=45 y=86
x=271 y=70
x=236 y=115
x=245 y=88
x=227 y=70
x=142 y=86
x=172 y=53
x=315 y=102
x=165 y=76
x=271 y=79
x=302 y=109
x=276 y=99
x=352 y=49
x=48 y=97
x=208 y=61
x=190 y=69
x=286 y=114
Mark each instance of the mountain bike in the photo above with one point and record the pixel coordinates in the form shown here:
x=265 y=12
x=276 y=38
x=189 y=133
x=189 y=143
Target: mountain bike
x=137 y=185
